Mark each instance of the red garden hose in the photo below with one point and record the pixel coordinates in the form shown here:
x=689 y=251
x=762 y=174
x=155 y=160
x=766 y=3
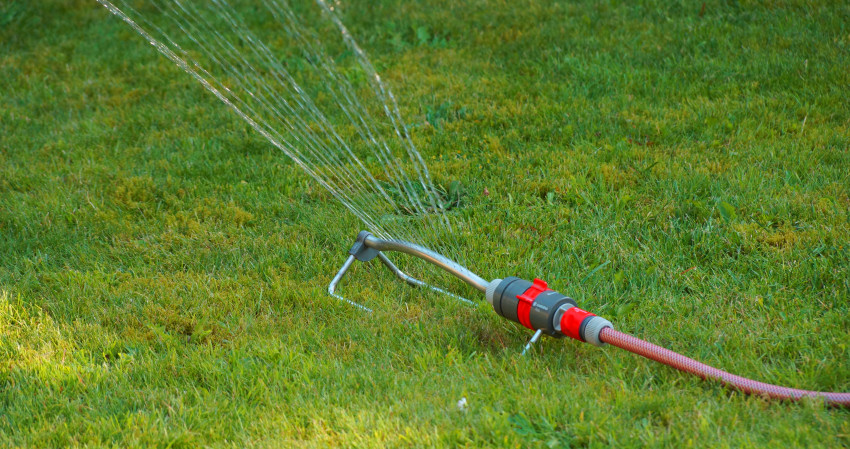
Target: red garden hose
x=682 y=363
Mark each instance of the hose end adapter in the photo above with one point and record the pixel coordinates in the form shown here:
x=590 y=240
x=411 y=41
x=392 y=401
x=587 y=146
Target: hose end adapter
x=581 y=325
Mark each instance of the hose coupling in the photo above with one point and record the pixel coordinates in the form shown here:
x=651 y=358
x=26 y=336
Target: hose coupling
x=534 y=305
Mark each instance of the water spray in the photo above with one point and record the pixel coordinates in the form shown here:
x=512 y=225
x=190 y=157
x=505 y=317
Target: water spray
x=547 y=312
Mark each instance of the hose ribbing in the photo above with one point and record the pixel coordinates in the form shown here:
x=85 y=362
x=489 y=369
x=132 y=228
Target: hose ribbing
x=682 y=363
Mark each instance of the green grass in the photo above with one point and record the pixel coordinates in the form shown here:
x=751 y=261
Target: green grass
x=680 y=169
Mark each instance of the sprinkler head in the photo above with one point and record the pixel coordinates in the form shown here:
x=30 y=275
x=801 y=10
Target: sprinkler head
x=360 y=251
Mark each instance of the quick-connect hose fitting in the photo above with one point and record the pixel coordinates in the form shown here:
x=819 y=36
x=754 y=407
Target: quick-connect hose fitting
x=531 y=304
x=581 y=325
x=535 y=306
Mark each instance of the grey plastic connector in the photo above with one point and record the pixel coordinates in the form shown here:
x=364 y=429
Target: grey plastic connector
x=559 y=313
x=491 y=290
x=593 y=328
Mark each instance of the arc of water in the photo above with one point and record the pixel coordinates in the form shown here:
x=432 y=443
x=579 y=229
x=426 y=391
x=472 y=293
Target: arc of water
x=259 y=88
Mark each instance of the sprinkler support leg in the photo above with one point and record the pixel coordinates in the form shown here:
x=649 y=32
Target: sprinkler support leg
x=533 y=340
x=360 y=251
x=338 y=277
x=416 y=282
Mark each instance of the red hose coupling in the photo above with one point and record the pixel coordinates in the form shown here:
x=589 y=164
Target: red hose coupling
x=526 y=299
x=571 y=322
x=583 y=325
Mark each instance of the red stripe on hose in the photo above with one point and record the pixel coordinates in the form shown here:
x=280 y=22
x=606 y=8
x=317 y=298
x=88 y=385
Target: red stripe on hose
x=682 y=363
x=523 y=307
x=571 y=322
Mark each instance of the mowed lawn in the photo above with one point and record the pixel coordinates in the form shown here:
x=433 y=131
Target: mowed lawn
x=681 y=168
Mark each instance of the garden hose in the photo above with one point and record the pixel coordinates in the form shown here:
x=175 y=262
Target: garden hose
x=545 y=311
x=675 y=360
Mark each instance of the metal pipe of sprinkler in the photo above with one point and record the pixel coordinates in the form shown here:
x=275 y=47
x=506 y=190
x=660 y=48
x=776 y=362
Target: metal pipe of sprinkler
x=534 y=305
x=427 y=255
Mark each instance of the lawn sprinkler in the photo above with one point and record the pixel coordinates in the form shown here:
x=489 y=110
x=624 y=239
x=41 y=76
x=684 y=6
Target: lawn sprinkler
x=547 y=312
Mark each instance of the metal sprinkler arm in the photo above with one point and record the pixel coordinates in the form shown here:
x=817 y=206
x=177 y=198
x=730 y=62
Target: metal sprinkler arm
x=337 y=278
x=428 y=255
